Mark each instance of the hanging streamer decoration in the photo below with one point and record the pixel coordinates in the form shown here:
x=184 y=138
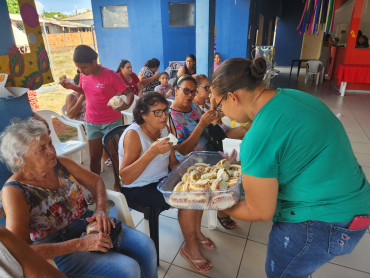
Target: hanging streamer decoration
x=317 y=14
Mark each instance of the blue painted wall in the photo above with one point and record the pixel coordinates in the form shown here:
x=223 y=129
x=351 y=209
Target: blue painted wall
x=232 y=22
x=288 y=40
x=6 y=33
x=178 y=42
x=148 y=35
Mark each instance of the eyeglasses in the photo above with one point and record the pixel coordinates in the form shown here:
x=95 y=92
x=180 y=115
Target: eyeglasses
x=218 y=104
x=205 y=87
x=188 y=91
x=159 y=112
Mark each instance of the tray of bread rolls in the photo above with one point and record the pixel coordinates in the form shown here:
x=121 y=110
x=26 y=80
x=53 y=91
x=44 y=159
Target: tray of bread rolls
x=203 y=180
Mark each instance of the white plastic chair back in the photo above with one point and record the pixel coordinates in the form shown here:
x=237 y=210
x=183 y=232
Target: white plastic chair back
x=128 y=113
x=123 y=211
x=65 y=116
x=71 y=146
x=314 y=67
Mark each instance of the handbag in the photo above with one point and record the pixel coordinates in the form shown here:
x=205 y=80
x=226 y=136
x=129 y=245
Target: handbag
x=214 y=135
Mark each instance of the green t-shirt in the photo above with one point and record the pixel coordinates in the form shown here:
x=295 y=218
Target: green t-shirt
x=298 y=140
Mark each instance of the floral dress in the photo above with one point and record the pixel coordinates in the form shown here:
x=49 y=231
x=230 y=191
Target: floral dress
x=51 y=210
x=147 y=73
x=185 y=123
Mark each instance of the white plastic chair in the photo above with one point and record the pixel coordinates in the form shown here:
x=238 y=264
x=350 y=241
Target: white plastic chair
x=123 y=211
x=65 y=116
x=314 y=68
x=128 y=117
x=71 y=146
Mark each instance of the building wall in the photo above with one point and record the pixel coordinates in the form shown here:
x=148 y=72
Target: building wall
x=232 y=21
x=288 y=40
x=178 y=42
x=6 y=33
x=148 y=36
x=138 y=43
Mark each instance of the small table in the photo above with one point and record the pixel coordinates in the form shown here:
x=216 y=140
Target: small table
x=352 y=73
x=300 y=61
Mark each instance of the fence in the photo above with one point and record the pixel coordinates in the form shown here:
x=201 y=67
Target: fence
x=60 y=48
x=67 y=40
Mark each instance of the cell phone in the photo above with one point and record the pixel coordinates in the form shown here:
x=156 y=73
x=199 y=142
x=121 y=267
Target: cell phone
x=359 y=222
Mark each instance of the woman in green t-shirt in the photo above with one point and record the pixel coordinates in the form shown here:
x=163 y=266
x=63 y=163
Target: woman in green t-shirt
x=298 y=170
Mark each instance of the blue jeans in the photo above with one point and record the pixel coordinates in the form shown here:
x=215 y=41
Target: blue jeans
x=298 y=249
x=133 y=254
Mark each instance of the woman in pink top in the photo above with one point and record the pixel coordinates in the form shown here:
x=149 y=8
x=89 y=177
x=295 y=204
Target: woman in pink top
x=217 y=61
x=130 y=78
x=99 y=84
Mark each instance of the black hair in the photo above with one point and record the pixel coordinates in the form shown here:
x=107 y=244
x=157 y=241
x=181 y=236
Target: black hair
x=218 y=54
x=84 y=54
x=76 y=79
x=192 y=56
x=238 y=73
x=164 y=73
x=183 y=78
x=152 y=63
x=122 y=65
x=145 y=102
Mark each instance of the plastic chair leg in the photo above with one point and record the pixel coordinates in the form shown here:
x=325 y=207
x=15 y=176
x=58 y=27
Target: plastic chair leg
x=153 y=229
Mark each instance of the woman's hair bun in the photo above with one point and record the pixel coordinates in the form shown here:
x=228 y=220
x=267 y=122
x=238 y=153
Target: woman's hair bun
x=258 y=68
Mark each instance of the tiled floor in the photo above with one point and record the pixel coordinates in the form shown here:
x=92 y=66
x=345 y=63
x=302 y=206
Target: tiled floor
x=241 y=252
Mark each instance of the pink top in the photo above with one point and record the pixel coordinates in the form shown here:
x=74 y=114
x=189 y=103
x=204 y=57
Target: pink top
x=99 y=89
x=215 y=66
x=133 y=84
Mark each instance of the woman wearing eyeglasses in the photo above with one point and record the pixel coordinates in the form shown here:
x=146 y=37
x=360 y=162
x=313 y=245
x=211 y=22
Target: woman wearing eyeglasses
x=187 y=121
x=202 y=101
x=298 y=169
x=144 y=161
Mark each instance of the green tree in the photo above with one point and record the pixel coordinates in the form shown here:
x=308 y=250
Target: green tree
x=13 y=6
x=57 y=15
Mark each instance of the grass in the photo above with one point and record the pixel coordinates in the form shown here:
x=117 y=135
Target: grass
x=63 y=62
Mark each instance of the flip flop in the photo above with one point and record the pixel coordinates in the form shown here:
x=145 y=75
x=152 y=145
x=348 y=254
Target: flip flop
x=108 y=162
x=194 y=262
x=225 y=222
x=207 y=244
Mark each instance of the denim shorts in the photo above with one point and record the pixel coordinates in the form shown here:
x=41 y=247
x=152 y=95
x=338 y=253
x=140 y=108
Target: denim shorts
x=298 y=249
x=96 y=131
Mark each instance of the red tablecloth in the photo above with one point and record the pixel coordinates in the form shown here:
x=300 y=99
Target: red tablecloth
x=354 y=73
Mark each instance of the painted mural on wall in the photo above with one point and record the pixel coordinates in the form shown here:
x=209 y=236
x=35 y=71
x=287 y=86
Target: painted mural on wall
x=28 y=70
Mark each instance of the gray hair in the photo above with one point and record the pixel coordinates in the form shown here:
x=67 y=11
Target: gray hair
x=15 y=141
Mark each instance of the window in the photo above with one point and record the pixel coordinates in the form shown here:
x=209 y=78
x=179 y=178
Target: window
x=181 y=14
x=115 y=16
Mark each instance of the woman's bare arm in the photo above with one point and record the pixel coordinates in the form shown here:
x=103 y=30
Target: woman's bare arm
x=74 y=104
x=180 y=72
x=147 y=80
x=133 y=165
x=33 y=264
x=260 y=199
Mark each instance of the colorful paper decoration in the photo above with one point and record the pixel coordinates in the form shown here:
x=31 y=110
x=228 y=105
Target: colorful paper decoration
x=29 y=70
x=316 y=13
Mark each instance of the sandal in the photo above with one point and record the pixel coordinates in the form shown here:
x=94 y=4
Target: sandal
x=207 y=244
x=226 y=222
x=194 y=263
x=108 y=162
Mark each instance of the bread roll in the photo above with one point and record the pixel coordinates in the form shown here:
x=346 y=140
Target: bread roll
x=232 y=182
x=219 y=184
x=223 y=174
x=180 y=200
x=200 y=185
x=223 y=163
x=92 y=228
x=115 y=101
x=209 y=176
x=223 y=201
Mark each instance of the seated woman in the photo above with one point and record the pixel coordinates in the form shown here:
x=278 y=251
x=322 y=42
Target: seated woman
x=201 y=99
x=130 y=78
x=189 y=67
x=44 y=205
x=144 y=161
x=188 y=123
x=148 y=75
x=17 y=259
